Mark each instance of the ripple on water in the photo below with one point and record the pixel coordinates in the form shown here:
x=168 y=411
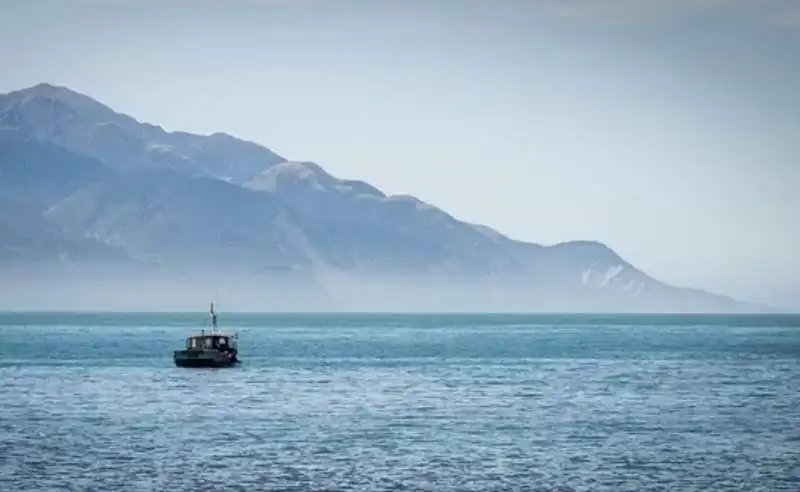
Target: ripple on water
x=397 y=422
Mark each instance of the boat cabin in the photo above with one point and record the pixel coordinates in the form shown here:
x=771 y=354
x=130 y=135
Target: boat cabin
x=214 y=341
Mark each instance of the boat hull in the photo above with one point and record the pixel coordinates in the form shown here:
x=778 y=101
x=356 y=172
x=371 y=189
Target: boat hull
x=204 y=358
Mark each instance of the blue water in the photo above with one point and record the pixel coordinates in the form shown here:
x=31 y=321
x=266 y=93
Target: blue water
x=402 y=402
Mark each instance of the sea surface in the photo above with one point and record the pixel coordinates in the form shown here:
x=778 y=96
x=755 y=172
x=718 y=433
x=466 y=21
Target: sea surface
x=402 y=402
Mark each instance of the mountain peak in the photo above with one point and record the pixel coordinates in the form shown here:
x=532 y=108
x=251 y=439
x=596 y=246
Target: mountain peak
x=46 y=87
x=54 y=92
x=47 y=107
x=586 y=249
x=74 y=120
x=290 y=174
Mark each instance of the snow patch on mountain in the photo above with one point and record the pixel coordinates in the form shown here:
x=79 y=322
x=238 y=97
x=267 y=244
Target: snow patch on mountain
x=611 y=274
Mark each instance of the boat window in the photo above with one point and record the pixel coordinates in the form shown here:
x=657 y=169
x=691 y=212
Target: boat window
x=207 y=343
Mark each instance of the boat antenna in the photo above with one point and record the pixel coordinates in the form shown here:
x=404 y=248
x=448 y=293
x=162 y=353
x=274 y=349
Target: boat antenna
x=213 y=317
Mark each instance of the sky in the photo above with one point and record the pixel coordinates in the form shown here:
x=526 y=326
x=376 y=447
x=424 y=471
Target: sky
x=668 y=129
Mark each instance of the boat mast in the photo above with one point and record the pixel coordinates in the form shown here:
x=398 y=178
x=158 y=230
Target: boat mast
x=213 y=317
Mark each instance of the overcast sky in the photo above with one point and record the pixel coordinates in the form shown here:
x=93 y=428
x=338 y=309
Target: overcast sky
x=668 y=129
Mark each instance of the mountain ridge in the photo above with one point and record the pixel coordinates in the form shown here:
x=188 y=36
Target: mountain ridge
x=199 y=203
x=79 y=123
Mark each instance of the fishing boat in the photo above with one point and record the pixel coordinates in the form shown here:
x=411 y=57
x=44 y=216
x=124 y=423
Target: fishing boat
x=209 y=349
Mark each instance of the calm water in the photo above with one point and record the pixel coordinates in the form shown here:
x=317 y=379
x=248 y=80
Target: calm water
x=380 y=402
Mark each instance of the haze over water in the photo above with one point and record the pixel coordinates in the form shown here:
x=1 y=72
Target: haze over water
x=402 y=402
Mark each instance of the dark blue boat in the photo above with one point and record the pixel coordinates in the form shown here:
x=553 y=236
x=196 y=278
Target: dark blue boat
x=213 y=349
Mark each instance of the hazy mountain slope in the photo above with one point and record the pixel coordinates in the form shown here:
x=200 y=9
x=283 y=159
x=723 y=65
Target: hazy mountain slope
x=40 y=173
x=581 y=276
x=34 y=175
x=356 y=227
x=27 y=239
x=201 y=223
x=94 y=185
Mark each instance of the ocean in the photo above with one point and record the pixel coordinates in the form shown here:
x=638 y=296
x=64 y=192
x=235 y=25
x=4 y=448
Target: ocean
x=371 y=402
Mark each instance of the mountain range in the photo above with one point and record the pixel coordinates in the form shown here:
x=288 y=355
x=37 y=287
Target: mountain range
x=99 y=209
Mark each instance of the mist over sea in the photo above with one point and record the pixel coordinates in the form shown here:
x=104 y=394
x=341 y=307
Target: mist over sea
x=445 y=402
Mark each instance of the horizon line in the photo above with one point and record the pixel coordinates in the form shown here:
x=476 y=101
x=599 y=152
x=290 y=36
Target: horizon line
x=403 y=313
